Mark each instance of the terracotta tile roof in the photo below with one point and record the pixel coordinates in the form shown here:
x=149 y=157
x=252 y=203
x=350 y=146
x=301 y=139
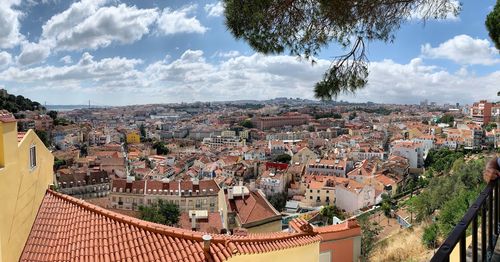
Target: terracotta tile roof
x=20 y=136
x=252 y=208
x=69 y=229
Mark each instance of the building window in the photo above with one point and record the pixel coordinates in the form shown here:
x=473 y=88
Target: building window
x=32 y=156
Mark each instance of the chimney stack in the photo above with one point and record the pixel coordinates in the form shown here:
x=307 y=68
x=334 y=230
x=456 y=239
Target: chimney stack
x=193 y=221
x=206 y=245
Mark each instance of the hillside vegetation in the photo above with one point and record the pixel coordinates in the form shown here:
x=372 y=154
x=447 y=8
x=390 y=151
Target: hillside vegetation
x=14 y=104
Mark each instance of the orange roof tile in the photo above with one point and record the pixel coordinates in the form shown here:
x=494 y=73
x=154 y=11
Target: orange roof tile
x=69 y=229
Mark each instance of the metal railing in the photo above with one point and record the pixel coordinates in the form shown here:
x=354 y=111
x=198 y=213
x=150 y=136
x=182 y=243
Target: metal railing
x=486 y=207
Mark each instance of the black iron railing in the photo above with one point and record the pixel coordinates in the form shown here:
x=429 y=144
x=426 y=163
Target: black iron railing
x=486 y=207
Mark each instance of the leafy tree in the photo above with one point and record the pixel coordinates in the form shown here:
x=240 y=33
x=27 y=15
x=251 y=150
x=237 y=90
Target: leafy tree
x=44 y=136
x=329 y=212
x=278 y=201
x=493 y=24
x=142 y=129
x=58 y=163
x=52 y=114
x=304 y=27
x=283 y=158
x=369 y=234
x=386 y=206
x=161 y=148
x=490 y=126
x=84 y=150
x=246 y=123
x=352 y=115
x=161 y=212
x=429 y=238
x=447 y=119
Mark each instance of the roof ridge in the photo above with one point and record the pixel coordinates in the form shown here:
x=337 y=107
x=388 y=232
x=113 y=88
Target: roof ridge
x=157 y=228
x=173 y=231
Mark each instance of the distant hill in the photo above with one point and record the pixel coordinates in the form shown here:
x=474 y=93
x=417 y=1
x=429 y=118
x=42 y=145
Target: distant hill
x=15 y=103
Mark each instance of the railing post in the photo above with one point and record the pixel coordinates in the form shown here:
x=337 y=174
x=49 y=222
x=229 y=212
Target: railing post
x=483 y=233
x=490 y=223
x=496 y=208
x=463 y=255
x=474 y=239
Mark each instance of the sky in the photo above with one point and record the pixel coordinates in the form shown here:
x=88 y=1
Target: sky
x=114 y=52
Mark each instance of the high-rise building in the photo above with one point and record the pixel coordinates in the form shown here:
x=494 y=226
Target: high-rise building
x=481 y=112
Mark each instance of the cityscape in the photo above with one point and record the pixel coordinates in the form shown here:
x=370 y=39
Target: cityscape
x=221 y=131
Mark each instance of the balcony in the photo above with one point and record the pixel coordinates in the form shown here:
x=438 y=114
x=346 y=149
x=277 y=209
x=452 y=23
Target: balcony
x=482 y=218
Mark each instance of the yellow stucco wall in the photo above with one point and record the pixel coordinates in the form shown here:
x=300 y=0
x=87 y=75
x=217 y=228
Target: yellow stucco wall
x=133 y=138
x=21 y=188
x=274 y=226
x=298 y=254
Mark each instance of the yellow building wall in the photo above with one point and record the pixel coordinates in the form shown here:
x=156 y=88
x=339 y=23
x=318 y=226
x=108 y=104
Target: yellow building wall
x=133 y=138
x=268 y=227
x=298 y=254
x=21 y=189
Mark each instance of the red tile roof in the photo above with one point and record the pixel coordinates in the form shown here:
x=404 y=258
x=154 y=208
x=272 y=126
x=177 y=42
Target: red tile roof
x=253 y=208
x=69 y=229
x=20 y=136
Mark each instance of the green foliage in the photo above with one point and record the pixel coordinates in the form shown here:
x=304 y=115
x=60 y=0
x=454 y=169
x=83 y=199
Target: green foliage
x=283 y=158
x=429 y=238
x=278 y=201
x=246 y=123
x=451 y=194
x=58 y=163
x=353 y=115
x=161 y=212
x=15 y=104
x=493 y=25
x=161 y=148
x=370 y=231
x=44 y=136
x=52 y=114
x=83 y=150
x=490 y=126
x=447 y=119
x=327 y=115
x=305 y=27
x=329 y=212
x=378 y=110
x=441 y=160
x=142 y=130
x=62 y=122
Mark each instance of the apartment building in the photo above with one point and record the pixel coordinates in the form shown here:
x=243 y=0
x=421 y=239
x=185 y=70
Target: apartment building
x=331 y=167
x=413 y=151
x=481 y=112
x=220 y=141
x=188 y=195
x=267 y=122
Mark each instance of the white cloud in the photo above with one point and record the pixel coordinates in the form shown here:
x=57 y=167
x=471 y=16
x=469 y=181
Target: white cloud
x=66 y=59
x=32 y=53
x=463 y=49
x=180 y=21
x=9 y=24
x=228 y=54
x=214 y=9
x=5 y=59
x=88 y=25
x=391 y=82
x=191 y=77
x=87 y=69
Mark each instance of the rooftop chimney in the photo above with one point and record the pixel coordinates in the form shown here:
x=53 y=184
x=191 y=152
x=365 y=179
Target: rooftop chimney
x=206 y=244
x=193 y=221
